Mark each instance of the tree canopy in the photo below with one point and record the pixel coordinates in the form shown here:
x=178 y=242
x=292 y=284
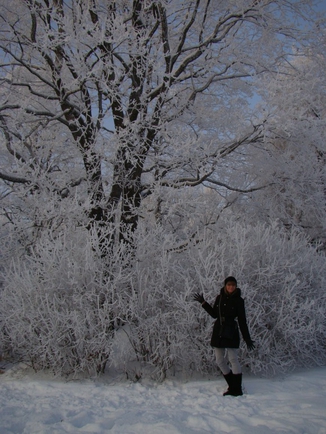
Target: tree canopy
x=113 y=101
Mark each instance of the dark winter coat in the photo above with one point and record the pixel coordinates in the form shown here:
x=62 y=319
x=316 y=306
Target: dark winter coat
x=231 y=307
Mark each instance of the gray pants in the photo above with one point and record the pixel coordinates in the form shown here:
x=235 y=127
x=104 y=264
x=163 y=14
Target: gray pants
x=223 y=355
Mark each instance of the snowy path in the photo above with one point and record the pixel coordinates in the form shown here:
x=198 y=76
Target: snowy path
x=294 y=404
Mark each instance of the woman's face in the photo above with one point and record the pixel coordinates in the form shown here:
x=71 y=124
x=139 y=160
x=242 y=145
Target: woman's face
x=230 y=287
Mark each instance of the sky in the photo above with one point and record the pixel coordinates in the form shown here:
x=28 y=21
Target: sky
x=37 y=403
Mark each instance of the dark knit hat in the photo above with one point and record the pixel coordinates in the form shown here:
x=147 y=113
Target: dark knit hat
x=230 y=279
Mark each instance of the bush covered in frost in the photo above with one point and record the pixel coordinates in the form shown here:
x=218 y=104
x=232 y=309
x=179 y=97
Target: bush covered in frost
x=57 y=304
x=64 y=307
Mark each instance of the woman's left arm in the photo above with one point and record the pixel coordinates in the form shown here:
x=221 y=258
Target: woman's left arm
x=242 y=320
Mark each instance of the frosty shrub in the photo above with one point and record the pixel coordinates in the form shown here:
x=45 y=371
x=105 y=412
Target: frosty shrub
x=145 y=308
x=67 y=308
x=57 y=309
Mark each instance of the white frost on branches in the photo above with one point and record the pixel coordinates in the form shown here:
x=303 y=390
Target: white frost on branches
x=60 y=309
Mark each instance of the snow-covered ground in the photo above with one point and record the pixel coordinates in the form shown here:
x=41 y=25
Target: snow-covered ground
x=38 y=404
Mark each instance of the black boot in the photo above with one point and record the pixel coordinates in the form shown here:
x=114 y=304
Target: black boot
x=237 y=385
x=228 y=378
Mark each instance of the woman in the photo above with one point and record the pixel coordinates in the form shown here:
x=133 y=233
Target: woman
x=228 y=306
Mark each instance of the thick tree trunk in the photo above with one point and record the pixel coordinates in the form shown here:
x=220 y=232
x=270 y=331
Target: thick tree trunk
x=126 y=192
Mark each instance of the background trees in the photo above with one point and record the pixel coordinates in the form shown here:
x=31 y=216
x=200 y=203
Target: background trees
x=294 y=148
x=137 y=120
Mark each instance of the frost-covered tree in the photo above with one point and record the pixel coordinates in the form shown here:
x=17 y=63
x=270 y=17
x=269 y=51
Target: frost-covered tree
x=104 y=103
x=135 y=121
